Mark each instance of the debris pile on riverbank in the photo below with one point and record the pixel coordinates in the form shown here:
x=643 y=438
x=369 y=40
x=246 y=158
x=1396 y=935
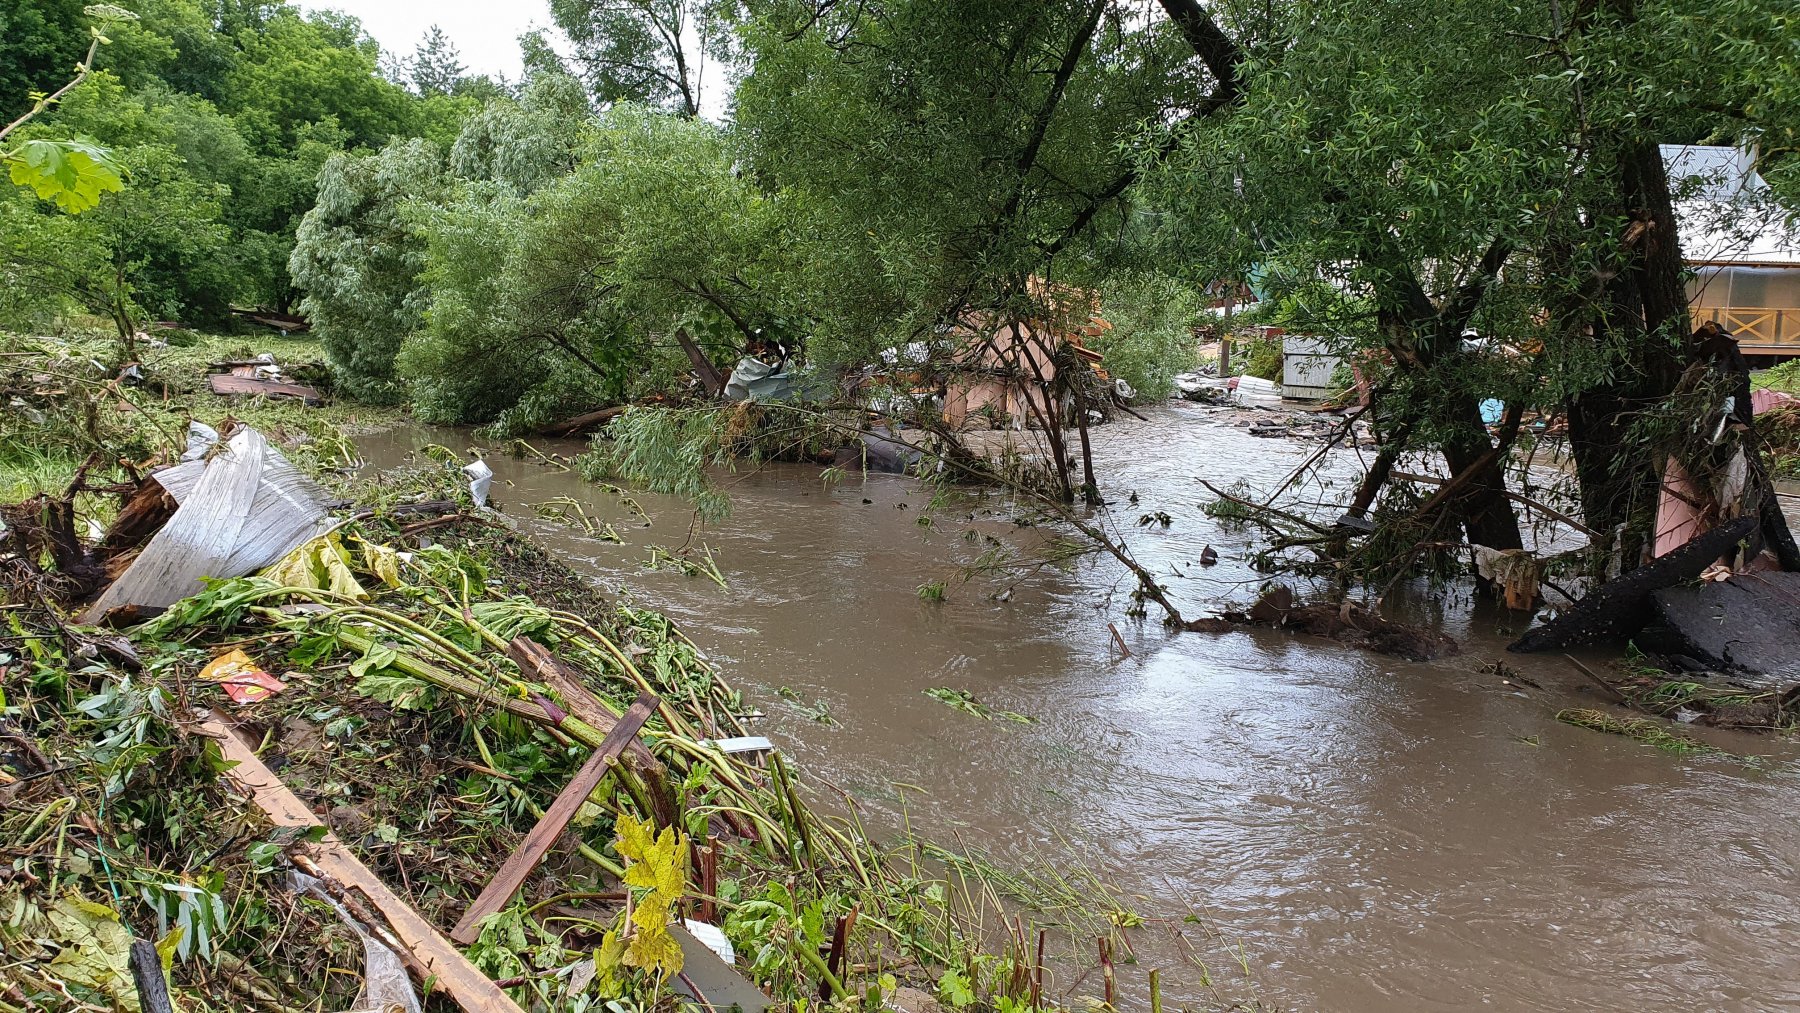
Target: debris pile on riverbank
x=425 y=715
x=400 y=737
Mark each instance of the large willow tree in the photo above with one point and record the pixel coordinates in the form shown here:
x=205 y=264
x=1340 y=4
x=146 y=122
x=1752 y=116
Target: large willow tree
x=1414 y=169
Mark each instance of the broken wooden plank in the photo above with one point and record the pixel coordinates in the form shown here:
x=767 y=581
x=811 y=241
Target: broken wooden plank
x=556 y=819
x=226 y=385
x=287 y=323
x=432 y=959
x=534 y=658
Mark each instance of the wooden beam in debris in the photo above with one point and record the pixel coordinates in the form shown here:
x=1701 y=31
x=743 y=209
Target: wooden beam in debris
x=226 y=385
x=711 y=380
x=285 y=322
x=432 y=959
x=556 y=819
x=534 y=658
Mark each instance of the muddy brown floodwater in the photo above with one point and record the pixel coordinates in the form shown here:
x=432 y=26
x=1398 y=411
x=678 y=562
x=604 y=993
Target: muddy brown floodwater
x=1376 y=835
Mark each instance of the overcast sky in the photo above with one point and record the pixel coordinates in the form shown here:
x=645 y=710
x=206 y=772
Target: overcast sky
x=486 y=32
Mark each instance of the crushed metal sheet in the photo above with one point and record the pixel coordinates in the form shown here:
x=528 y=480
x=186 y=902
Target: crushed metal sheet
x=248 y=508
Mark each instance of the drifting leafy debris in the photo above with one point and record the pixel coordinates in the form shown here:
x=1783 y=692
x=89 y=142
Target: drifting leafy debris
x=1648 y=731
x=963 y=700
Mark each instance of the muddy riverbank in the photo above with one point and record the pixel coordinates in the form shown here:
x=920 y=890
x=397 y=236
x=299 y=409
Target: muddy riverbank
x=1376 y=834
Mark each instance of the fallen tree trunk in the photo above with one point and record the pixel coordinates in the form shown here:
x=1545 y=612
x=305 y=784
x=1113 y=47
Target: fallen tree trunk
x=584 y=421
x=711 y=380
x=1621 y=606
x=1345 y=622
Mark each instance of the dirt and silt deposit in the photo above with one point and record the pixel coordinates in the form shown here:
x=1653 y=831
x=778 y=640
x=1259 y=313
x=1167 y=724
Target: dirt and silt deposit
x=1349 y=831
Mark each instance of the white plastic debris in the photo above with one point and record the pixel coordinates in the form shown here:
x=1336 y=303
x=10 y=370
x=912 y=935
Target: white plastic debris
x=481 y=478
x=713 y=938
x=200 y=439
x=385 y=988
x=743 y=744
x=20 y=406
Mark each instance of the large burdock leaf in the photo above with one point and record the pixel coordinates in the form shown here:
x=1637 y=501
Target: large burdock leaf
x=73 y=174
x=322 y=563
x=96 y=949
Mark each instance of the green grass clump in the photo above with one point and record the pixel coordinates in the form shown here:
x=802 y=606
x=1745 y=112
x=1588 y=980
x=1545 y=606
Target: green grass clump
x=1645 y=730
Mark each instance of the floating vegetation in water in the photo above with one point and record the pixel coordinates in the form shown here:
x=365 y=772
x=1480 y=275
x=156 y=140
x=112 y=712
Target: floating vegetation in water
x=685 y=561
x=521 y=449
x=963 y=700
x=818 y=710
x=933 y=590
x=569 y=510
x=1645 y=730
x=1232 y=506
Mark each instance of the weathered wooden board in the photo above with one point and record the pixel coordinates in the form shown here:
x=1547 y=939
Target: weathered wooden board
x=429 y=955
x=237 y=386
x=556 y=819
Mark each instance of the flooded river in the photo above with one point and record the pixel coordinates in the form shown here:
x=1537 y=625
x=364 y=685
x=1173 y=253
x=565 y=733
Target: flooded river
x=1375 y=835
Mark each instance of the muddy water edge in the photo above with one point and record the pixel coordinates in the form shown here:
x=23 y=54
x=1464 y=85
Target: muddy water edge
x=1361 y=833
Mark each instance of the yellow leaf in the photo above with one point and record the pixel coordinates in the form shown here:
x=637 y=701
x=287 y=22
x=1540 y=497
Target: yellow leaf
x=659 y=863
x=167 y=945
x=96 y=949
x=652 y=947
x=383 y=562
x=322 y=563
x=607 y=961
x=634 y=837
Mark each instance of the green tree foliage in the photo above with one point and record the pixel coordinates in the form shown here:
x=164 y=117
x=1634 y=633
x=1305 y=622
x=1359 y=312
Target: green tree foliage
x=571 y=296
x=40 y=42
x=651 y=52
x=950 y=151
x=71 y=173
x=1489 y=166
x=296 y=70
x=150 y=251
x=358 y=258
x=175 y=43
x=1152 y=336
x=527 y=142
x=436 y=68
x=251 y=97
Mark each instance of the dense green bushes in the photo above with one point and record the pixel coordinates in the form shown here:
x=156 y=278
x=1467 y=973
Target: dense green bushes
x=224 y=114
x=358 y=257
x=1152 y=337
